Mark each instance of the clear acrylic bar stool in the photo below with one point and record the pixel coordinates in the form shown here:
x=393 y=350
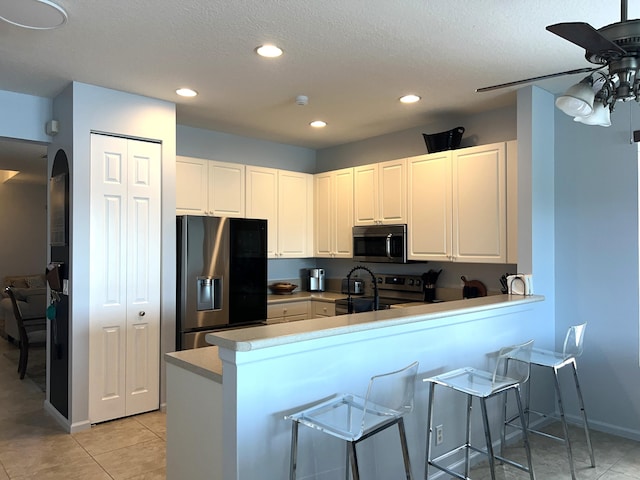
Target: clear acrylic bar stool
x=353 y=418
x=510 y=372
x=573 y=346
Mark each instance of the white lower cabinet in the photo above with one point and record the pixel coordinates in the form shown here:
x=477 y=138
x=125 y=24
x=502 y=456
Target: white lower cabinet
x=288 y=311
x=124 y=293
x=457 y=205
x=322 y=309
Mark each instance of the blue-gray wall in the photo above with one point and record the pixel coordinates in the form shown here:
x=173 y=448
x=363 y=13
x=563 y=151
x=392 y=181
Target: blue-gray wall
x=596 y=209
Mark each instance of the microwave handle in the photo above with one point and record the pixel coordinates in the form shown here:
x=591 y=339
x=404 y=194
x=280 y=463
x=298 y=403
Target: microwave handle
x=389 y=245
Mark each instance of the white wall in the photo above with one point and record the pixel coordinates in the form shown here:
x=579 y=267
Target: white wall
x=82 y=109
x=23 y=236
x=596 y=213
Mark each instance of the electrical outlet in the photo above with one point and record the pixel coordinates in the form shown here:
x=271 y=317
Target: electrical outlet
x=439 y=435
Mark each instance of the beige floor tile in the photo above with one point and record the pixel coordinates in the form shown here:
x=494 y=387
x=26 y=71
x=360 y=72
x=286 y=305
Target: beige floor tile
x=3 y=473
x=154 y=421
x=139 y=459
x=629 y=464
x=114 y=435
x=33 y=454
x=78 y=469
x=160 y=474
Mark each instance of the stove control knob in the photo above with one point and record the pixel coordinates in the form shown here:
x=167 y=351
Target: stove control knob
x=410 y=282
x=418 y=283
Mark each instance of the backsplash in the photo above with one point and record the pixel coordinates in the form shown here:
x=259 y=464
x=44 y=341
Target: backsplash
x=449 y=282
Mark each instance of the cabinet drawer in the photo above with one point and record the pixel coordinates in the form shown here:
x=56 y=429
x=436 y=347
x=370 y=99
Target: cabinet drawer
x=287 y=309
x=323 y=309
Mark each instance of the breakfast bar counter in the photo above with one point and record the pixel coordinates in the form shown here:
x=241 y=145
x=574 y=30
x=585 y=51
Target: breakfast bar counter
x=271 y=370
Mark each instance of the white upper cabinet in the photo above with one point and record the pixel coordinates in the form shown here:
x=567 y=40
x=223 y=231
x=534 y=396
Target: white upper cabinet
x=429 y=209
x=380 y=193
x=192 y=186
x=334 y=214
x=285 y=200
x=457 y=205
x=480 y=204
x=208 y=187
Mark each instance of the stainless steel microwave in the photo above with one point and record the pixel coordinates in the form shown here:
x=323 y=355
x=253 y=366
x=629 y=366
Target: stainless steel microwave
x=380 y=243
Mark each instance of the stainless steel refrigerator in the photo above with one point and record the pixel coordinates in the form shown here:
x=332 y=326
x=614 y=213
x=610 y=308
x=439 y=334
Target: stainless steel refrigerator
x=222 y=276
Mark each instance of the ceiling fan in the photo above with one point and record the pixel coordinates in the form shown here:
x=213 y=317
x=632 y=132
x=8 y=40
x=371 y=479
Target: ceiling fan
x=615 y=49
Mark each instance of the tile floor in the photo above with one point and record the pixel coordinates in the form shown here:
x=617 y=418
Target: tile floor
x=33 y=446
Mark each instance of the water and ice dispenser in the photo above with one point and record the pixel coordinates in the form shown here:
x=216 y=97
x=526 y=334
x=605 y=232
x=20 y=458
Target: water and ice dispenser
x=209 y=293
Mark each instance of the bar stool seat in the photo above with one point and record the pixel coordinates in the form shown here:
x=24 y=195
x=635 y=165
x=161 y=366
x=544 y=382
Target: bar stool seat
x=353 y=418
x=513 y=362
x=572 y=348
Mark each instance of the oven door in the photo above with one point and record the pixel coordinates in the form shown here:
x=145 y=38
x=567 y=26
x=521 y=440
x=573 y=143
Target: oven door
x=380 y=243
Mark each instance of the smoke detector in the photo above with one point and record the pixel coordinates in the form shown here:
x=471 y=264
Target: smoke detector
x=302 y=100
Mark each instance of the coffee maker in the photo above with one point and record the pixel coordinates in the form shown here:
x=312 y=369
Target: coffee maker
x=316 y=280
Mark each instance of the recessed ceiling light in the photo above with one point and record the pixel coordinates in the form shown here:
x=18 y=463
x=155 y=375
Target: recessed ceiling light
x=269 y=51
x=318 y=124
x=33 y=14
x=186 y=92
x=410 y=98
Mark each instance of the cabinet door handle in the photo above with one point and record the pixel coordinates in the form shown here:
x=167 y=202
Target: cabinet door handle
x=142 y=313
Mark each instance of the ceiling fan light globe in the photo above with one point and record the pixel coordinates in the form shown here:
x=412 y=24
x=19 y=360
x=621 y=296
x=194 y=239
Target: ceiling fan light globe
x=601 y=116
x=577 y=101
x=574 y=107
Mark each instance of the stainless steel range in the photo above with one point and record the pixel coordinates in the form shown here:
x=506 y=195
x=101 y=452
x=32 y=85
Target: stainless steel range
x=393 y=290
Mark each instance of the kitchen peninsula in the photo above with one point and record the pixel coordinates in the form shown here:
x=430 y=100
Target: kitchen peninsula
x=236 y=393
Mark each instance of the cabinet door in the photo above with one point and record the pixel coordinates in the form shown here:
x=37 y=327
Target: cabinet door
x=365 y=194
x=343 y=214
x=191 y=186
x=124 y=312
x=479 y=204
x=226 y=189
x=334 y=214
x=323 y=217
x=430 y=212
x=392 y=192
x=262 y=201
x=295 y=214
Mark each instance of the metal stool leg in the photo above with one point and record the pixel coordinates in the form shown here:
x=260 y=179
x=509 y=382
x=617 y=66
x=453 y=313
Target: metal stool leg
x=468 y=437
x=525 y=436
x=354 y=461
x=563 y=420
x=293 y=461
x=405 y=448
x=487 y=435
x=427 y=457
x=584 y=414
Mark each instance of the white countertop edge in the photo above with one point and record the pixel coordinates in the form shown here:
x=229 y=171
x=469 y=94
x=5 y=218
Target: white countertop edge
x=201 y=361
x=266 y=336
x=329 y=297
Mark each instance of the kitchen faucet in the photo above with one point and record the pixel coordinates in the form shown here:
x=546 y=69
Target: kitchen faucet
x=376 y=298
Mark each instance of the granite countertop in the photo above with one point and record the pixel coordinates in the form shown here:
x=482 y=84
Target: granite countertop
x=265 y=336
x=301 y=296
x=201 y=361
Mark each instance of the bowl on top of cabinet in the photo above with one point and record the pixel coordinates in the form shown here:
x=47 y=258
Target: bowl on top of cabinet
x=282 y=288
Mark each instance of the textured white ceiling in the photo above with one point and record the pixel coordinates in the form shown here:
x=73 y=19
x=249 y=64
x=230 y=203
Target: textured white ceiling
x=352 y=58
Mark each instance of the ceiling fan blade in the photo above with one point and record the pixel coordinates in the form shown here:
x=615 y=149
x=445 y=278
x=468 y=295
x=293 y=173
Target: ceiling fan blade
x=541 y=77
x=587 y=37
